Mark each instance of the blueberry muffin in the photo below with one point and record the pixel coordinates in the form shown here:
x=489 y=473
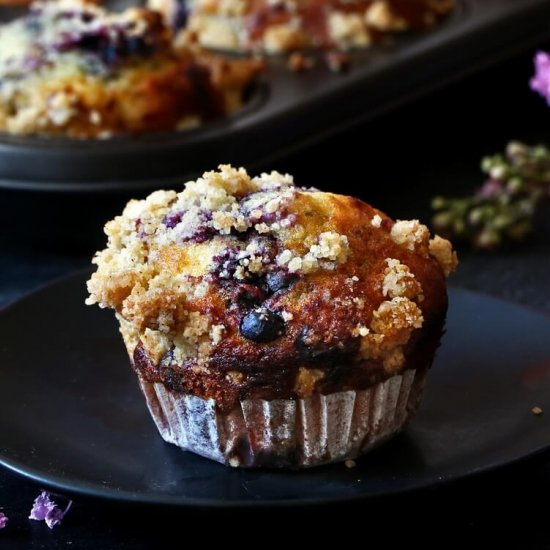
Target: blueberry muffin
x=273 y=325
x=69 y=68
x=287 y=25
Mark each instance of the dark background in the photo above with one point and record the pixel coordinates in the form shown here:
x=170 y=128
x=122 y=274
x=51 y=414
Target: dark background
x=397 y=162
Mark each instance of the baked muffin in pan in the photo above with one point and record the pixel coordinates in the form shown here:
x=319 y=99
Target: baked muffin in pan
x=70 y=68
x=285 y=25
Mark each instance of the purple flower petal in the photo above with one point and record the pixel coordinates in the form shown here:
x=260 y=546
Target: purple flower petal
x=54 y=517
x=45 y=509
x=42 y=505
x=540 y=82
x=3 y=520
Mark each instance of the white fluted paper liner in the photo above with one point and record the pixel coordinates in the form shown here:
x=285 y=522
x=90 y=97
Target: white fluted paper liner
x=284 y=432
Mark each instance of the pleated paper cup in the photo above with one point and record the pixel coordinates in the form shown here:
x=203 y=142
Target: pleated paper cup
x=284 y=432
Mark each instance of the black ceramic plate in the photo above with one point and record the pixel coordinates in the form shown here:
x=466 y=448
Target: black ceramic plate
x=286 y=110
x=72 y=417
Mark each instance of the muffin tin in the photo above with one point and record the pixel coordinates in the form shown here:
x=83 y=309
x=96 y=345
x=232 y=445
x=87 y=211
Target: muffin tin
x=285 y=110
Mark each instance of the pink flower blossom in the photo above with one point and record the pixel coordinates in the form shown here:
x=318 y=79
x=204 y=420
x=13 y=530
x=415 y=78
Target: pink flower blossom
x=540 y=82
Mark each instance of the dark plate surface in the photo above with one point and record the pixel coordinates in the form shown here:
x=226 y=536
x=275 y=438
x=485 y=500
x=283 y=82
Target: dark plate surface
x=286 y=110
x=72 y=417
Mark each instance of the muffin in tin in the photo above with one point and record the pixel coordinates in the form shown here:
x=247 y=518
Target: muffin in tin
x=288 y=25
x=70 y=68
x=270 y=324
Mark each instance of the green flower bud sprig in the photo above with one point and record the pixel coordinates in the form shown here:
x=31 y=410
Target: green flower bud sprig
x=502 y=210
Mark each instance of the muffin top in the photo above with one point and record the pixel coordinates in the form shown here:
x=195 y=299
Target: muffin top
x=72 y=68
x=253 y=287
x=287 y=25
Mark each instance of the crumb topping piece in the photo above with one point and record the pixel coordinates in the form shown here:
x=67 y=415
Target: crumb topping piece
x=399 y=281
x=391 y=328
x=331 y=249
x=376 y=221
x=443 y=252
x=412 y=235
x=306 y=381
x=381 y=17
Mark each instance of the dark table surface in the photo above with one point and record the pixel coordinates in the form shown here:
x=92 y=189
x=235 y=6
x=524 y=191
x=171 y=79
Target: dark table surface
x=397 y=162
